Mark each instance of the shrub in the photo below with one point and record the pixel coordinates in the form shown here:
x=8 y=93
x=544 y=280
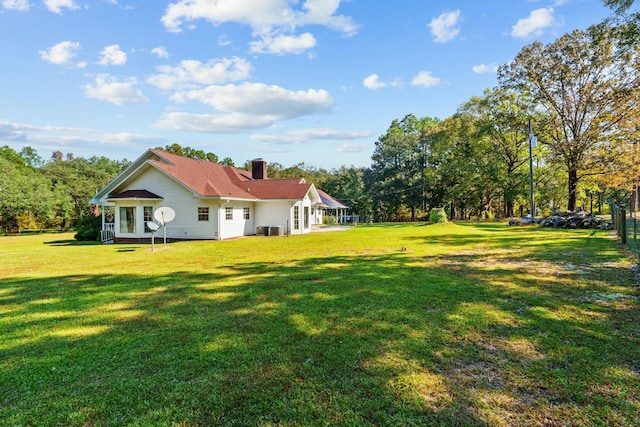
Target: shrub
x=88 y=228
x=329 y=220
x=438 y=216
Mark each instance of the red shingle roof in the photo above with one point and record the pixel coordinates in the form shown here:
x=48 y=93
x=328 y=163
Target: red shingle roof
x=208 y=179
x=330 y=201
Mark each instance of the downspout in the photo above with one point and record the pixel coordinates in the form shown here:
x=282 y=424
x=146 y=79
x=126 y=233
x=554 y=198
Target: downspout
x=219 y=220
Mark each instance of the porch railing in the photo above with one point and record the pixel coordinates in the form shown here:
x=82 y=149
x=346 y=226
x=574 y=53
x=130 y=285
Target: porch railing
x=107 y=233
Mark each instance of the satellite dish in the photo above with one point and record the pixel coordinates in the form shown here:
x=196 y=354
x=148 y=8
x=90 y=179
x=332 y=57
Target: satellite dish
x=164 y=215
x=152 y=226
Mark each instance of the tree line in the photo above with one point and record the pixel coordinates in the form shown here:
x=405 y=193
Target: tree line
x=579 y=95
x=53 y=194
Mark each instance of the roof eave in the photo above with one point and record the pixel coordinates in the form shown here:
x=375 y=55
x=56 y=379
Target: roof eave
x=234 y=198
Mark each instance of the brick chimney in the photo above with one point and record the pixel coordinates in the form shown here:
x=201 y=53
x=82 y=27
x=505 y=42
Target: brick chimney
x=258 y=169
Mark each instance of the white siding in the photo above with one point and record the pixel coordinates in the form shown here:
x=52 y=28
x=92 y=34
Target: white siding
x=186 y=224
x=281 y=213
x=302 y=204
x=238 y=226
x=273 y=213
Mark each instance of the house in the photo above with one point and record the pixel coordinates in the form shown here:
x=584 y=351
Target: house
x=329 y=206
x=210 y=201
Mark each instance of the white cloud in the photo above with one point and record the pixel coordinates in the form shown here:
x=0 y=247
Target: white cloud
x=261 y=16
x=49 y=138
x=56 y=6
x=322 y=12
x=160 y=52
x=224 y=40
x=192 y=73
x=445 y=27
x=300 y=136
x=373 y=82
x=259 y=99
x=212 y=123
x=282 y=44
x=484 y=68
x=112 y=55
x=22 y=5
x=61 y=53
x=349 y=147
x=424 y=78
x=245 y=107
x=534 y=24
x=108 y=88
x=274 y=22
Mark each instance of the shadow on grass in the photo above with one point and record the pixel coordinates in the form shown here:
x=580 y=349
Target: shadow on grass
x=341 y=340
x=71 y=242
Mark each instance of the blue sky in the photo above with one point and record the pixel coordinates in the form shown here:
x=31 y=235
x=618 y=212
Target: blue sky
x=313 y=81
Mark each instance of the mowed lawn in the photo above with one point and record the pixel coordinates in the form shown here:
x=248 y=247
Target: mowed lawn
x=402 y=325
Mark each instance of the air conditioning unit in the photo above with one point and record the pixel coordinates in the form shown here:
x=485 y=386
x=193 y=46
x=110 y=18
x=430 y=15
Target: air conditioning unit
x=260 y=230
x=276 y=230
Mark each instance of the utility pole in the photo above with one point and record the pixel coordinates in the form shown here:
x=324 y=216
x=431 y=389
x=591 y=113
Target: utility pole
x=533 y=141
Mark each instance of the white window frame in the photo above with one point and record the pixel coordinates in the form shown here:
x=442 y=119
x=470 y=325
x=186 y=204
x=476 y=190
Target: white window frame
x=203 y=213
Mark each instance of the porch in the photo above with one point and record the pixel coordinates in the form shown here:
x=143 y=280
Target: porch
x=107 y=233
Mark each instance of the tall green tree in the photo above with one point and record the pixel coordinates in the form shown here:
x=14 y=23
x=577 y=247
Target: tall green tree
x=502 y=118
x=348 y=184
x=398 y=162
x=75 y=181
x=12 y=156
x=587 y=82
x=25 y=196
x=626 y=21
x=468 y=168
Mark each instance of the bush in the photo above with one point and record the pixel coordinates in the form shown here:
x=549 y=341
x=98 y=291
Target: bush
x=88 y=228
x=329 y=220
x=438 y=216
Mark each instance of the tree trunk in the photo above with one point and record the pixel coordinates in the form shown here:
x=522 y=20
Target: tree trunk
x=508 y=209
x=573 y=189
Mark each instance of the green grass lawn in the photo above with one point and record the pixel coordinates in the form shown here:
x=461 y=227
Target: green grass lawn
x=465 y=324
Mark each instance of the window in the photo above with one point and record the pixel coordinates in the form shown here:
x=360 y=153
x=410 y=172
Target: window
x=128 y=219
x=246 y=213
x=306 y=217
x=228 y=213
x=147 y=215
x=296 y=217
x=203 y=214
